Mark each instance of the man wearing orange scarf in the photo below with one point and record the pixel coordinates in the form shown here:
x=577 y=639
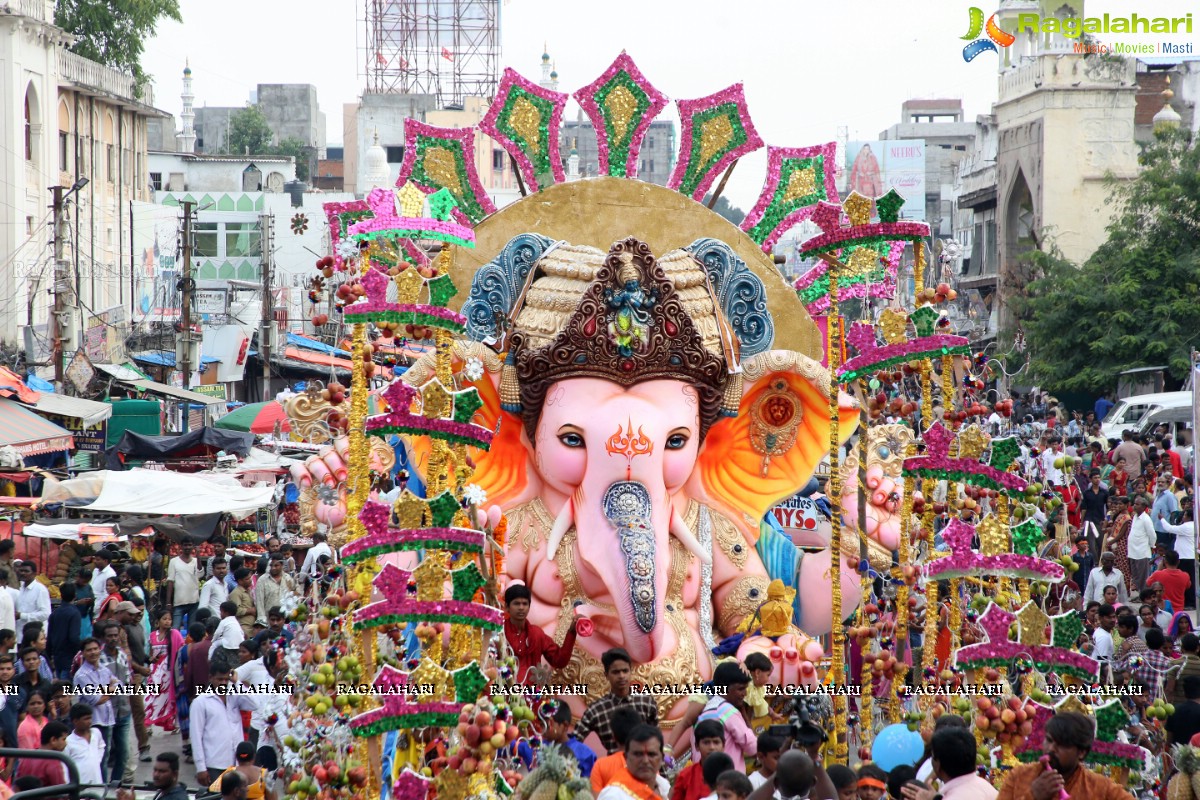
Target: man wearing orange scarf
x=1069 y=738
x=638 y=780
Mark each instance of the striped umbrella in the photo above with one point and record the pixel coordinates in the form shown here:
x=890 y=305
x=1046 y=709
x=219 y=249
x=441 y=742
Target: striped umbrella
x=255 y=418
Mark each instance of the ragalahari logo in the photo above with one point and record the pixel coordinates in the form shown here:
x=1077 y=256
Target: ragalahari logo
x=995 y=35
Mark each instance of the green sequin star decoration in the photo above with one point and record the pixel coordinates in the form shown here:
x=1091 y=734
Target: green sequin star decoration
x=924 y=319
x=1065 y=629
x=889 y=206
x=466 y=403
x=443 y=508
x=1004 y=453
x=441 y=289
x=467 y=581
x=442 y=204
x=1027 y=536
x=468 y=683
x=1110 y=718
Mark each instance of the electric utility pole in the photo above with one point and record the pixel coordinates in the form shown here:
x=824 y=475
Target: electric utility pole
x=268 y=317
x=186 y=285
x=60 y=287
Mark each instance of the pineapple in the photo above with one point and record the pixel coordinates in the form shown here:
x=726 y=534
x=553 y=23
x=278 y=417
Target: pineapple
x=1185 y=783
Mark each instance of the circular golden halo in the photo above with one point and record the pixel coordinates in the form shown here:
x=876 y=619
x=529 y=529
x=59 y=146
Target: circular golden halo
x=600 y=211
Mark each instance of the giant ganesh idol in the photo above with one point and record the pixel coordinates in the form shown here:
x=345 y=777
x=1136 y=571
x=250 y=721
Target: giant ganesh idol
x=648 y=416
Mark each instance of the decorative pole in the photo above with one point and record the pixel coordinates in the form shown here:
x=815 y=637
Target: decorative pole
x=838 y=639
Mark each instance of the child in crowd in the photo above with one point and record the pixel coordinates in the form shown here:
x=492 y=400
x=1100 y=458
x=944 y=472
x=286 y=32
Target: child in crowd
x=872 y=782
x=713 y=766
x=709 y=737
x=898 y=778
x=759 y=667
x=733 y=785
x=844 y=781
x=769 y=748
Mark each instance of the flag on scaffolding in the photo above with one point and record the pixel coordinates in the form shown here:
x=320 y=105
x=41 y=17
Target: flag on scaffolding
x=446 y=54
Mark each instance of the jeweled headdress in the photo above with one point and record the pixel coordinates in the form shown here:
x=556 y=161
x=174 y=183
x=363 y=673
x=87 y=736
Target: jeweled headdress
x=638 y=319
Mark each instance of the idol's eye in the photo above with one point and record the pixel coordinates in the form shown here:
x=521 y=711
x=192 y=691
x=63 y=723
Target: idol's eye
x=677 y=441
x=571 y=439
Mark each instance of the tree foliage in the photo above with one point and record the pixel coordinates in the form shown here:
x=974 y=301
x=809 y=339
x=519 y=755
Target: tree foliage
x=291 y=146
x=726 y=209
x=249 y=132
x=1133 y=303
x=112 y=32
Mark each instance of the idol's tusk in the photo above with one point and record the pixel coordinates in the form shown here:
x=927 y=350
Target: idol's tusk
x=679 y=530
x=566 y=518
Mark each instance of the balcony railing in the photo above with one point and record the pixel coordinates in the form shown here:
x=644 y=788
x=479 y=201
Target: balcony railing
x=97 y=77
x=40 y=10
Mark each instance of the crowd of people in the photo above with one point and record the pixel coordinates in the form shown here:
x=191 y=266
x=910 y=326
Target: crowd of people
x=114 y=663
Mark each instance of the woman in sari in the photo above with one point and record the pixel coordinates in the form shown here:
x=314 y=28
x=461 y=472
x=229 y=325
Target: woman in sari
x=1118 y=539
x=165 y=644
x=112 y=587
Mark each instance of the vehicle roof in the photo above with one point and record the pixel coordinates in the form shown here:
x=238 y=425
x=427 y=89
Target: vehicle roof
x=1159 y=397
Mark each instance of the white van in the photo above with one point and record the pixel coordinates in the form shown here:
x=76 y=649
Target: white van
x=1128 y=414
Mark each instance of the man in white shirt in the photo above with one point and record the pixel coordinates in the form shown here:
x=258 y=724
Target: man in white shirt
x=319 y=548
x=183 y=584
x=216 y=722
x=1141 y=542
x=85 y=746
x=101 y=571
x=1185 y=546
x=214 y=592
x=229 y=635
x=1105 y=575
x=1102 y=640
x=33 y=601
x=254 y=673
x=8 y=610
x=1049 y=471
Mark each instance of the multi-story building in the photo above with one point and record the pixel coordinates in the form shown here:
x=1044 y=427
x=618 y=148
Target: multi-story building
x=73 y=123
x=656 y=159
x=291 y=110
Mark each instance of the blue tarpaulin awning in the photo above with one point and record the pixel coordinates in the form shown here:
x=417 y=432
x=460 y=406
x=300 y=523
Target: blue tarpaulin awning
x=166 y=358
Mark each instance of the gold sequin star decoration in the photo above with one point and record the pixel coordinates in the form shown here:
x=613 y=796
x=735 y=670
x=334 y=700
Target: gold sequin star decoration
x=430 y=576
x=410 y=201
x=894 y=326
x=430 y=675
x=993 y=537
x=1072 y=704
x=1033 y=622
x=409 y=284
x=410 y=510
x=862 y=261
x=435 y=400
x=972 y=442
x=858 y=209
x=451 y=785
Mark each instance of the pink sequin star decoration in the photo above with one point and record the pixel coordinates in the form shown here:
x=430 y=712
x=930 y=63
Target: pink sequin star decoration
x=715 y=131
x=411 y=786
x=937 y=464
x=621 y=104
x=965 y=562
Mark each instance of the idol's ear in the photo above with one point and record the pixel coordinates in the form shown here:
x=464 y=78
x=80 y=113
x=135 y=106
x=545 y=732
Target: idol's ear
x=772 y=447
x=505 y=470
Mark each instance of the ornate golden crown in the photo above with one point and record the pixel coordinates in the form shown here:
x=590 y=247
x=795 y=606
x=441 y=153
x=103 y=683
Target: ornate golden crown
x=633 y=324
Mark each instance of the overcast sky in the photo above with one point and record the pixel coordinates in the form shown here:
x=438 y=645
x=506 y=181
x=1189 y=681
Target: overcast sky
x=809 y=66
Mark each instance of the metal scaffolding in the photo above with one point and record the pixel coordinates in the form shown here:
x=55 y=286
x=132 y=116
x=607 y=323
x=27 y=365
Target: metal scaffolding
x=446 y=48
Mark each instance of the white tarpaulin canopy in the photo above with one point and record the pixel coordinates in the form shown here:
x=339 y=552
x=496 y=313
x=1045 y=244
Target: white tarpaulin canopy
x=146 y=491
